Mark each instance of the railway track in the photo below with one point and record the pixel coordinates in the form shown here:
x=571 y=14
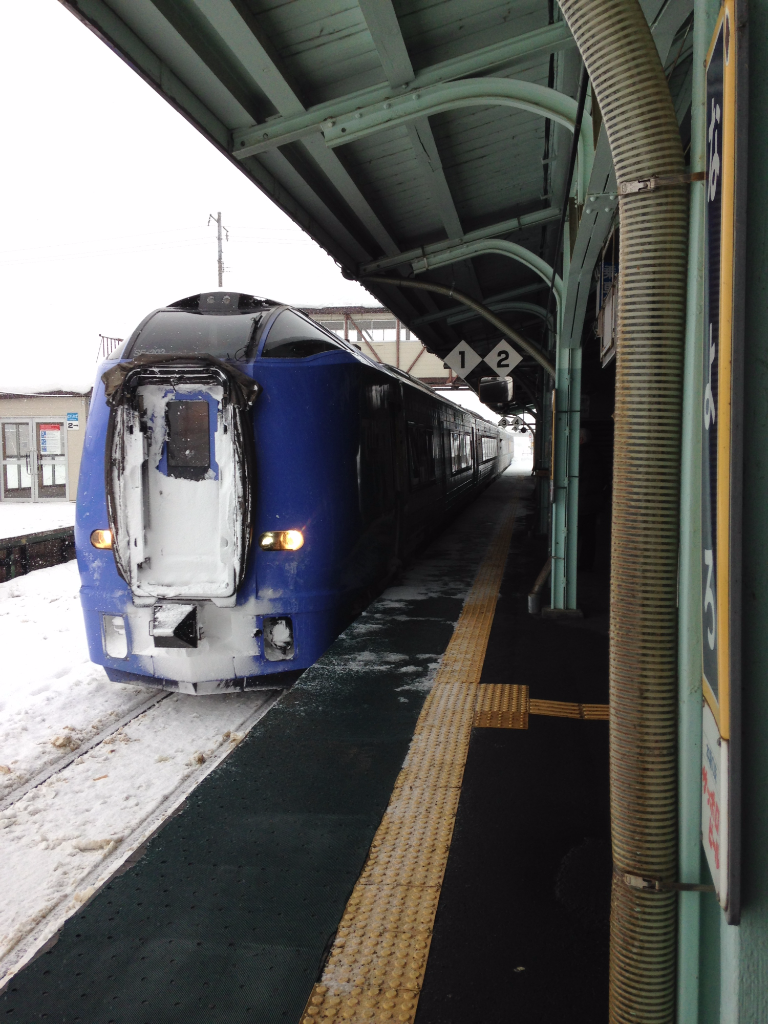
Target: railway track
x=42 y=929
x=67 y=759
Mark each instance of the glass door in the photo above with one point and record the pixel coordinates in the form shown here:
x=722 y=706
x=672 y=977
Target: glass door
x=51 y=460
x=17 y=461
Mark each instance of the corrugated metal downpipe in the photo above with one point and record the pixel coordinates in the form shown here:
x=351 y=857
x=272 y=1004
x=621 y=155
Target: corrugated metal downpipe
x=628 y=79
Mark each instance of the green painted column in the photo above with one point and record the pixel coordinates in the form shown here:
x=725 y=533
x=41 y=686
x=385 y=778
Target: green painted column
x=574 y=428
x=565 y=504
x=560 y=478
x=689 y=622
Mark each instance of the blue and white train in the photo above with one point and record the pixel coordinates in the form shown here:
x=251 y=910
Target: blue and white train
x=249 y=483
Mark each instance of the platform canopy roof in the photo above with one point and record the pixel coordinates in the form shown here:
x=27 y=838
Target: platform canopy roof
x=424 y=140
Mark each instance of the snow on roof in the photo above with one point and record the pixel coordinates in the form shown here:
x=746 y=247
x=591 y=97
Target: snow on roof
x=341 y=310
x=26 y=391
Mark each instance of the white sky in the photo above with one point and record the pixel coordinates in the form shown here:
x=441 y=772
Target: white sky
x=107 y=194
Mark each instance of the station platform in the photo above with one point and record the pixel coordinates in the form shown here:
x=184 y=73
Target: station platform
x=417 y=831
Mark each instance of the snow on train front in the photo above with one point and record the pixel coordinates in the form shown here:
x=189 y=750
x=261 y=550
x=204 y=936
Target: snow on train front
x=162 y=572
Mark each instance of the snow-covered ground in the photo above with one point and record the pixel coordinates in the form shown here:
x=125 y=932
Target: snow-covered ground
x=17 y=518
x=62 y=839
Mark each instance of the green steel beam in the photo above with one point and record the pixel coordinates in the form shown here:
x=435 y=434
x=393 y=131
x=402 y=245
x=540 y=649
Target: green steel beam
x=437 y=99
x=442 y=314
x=498 y=246
x=489 y=58
x=504 y=227
x=384 y=29
x=339 y=128
x=504 y=306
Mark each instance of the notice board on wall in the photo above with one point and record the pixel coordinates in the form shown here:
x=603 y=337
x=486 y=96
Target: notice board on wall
x=722 y=374
x=50 y=439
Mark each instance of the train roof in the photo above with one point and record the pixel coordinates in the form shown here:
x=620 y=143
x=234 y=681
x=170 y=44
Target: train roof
x=223 y=302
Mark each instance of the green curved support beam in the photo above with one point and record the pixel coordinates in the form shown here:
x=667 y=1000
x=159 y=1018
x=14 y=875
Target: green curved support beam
x=503 y=307
x=493 y=245
x=483 y=92
x=504 y=227
x=339 y=125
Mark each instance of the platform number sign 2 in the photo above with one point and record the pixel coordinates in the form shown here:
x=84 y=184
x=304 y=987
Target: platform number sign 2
x=503 y=359
x=721 y=450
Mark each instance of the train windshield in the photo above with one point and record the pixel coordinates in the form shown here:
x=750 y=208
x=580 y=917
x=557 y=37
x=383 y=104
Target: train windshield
x=293 y=337
x=169 y=332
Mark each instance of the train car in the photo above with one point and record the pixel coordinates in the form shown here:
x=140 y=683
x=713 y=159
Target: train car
x=249 y=483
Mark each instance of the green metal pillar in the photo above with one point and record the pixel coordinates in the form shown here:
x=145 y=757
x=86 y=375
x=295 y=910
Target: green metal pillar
x=565 y=498
x=560 y=478
x=689 y=586
x=565 y=503
x=544 y=457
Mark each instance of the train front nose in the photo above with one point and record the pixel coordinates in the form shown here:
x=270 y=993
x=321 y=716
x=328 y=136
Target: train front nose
x=179 y=487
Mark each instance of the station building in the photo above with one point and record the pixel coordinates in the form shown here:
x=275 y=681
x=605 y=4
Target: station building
x=42 y=443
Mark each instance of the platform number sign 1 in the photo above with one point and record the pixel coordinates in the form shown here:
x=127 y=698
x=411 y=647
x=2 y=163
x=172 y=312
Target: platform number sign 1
x=721 y=450
x=463 y=359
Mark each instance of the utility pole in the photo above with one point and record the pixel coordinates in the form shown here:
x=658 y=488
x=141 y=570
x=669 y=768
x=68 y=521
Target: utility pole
x=219 y=231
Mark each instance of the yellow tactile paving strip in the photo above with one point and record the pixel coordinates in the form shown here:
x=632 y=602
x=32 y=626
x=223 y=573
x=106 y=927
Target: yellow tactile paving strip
x=502 y=706
x=562 y=709
x=508 y=705
x=377 y=962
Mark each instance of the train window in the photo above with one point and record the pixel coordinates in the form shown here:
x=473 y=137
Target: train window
x=461 y=452
x=421 y=454
x=490 y=448
x=169 y=332
x=375 y=464
x=293 y=337
x=189 y=439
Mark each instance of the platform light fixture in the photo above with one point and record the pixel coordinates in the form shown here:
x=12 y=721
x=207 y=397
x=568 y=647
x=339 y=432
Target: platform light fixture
x=102 y=539
x=281 y=540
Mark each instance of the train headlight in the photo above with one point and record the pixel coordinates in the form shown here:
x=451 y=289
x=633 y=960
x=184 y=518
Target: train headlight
x=281 y=540
x=102 y=539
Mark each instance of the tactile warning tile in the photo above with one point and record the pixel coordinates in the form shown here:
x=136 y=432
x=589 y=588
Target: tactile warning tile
x=376 y=965
x=562 y=709
x=502 y=706
x=411 y=845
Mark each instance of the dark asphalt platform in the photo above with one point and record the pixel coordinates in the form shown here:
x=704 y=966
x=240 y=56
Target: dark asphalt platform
x=228 y=914
x=521 y=932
